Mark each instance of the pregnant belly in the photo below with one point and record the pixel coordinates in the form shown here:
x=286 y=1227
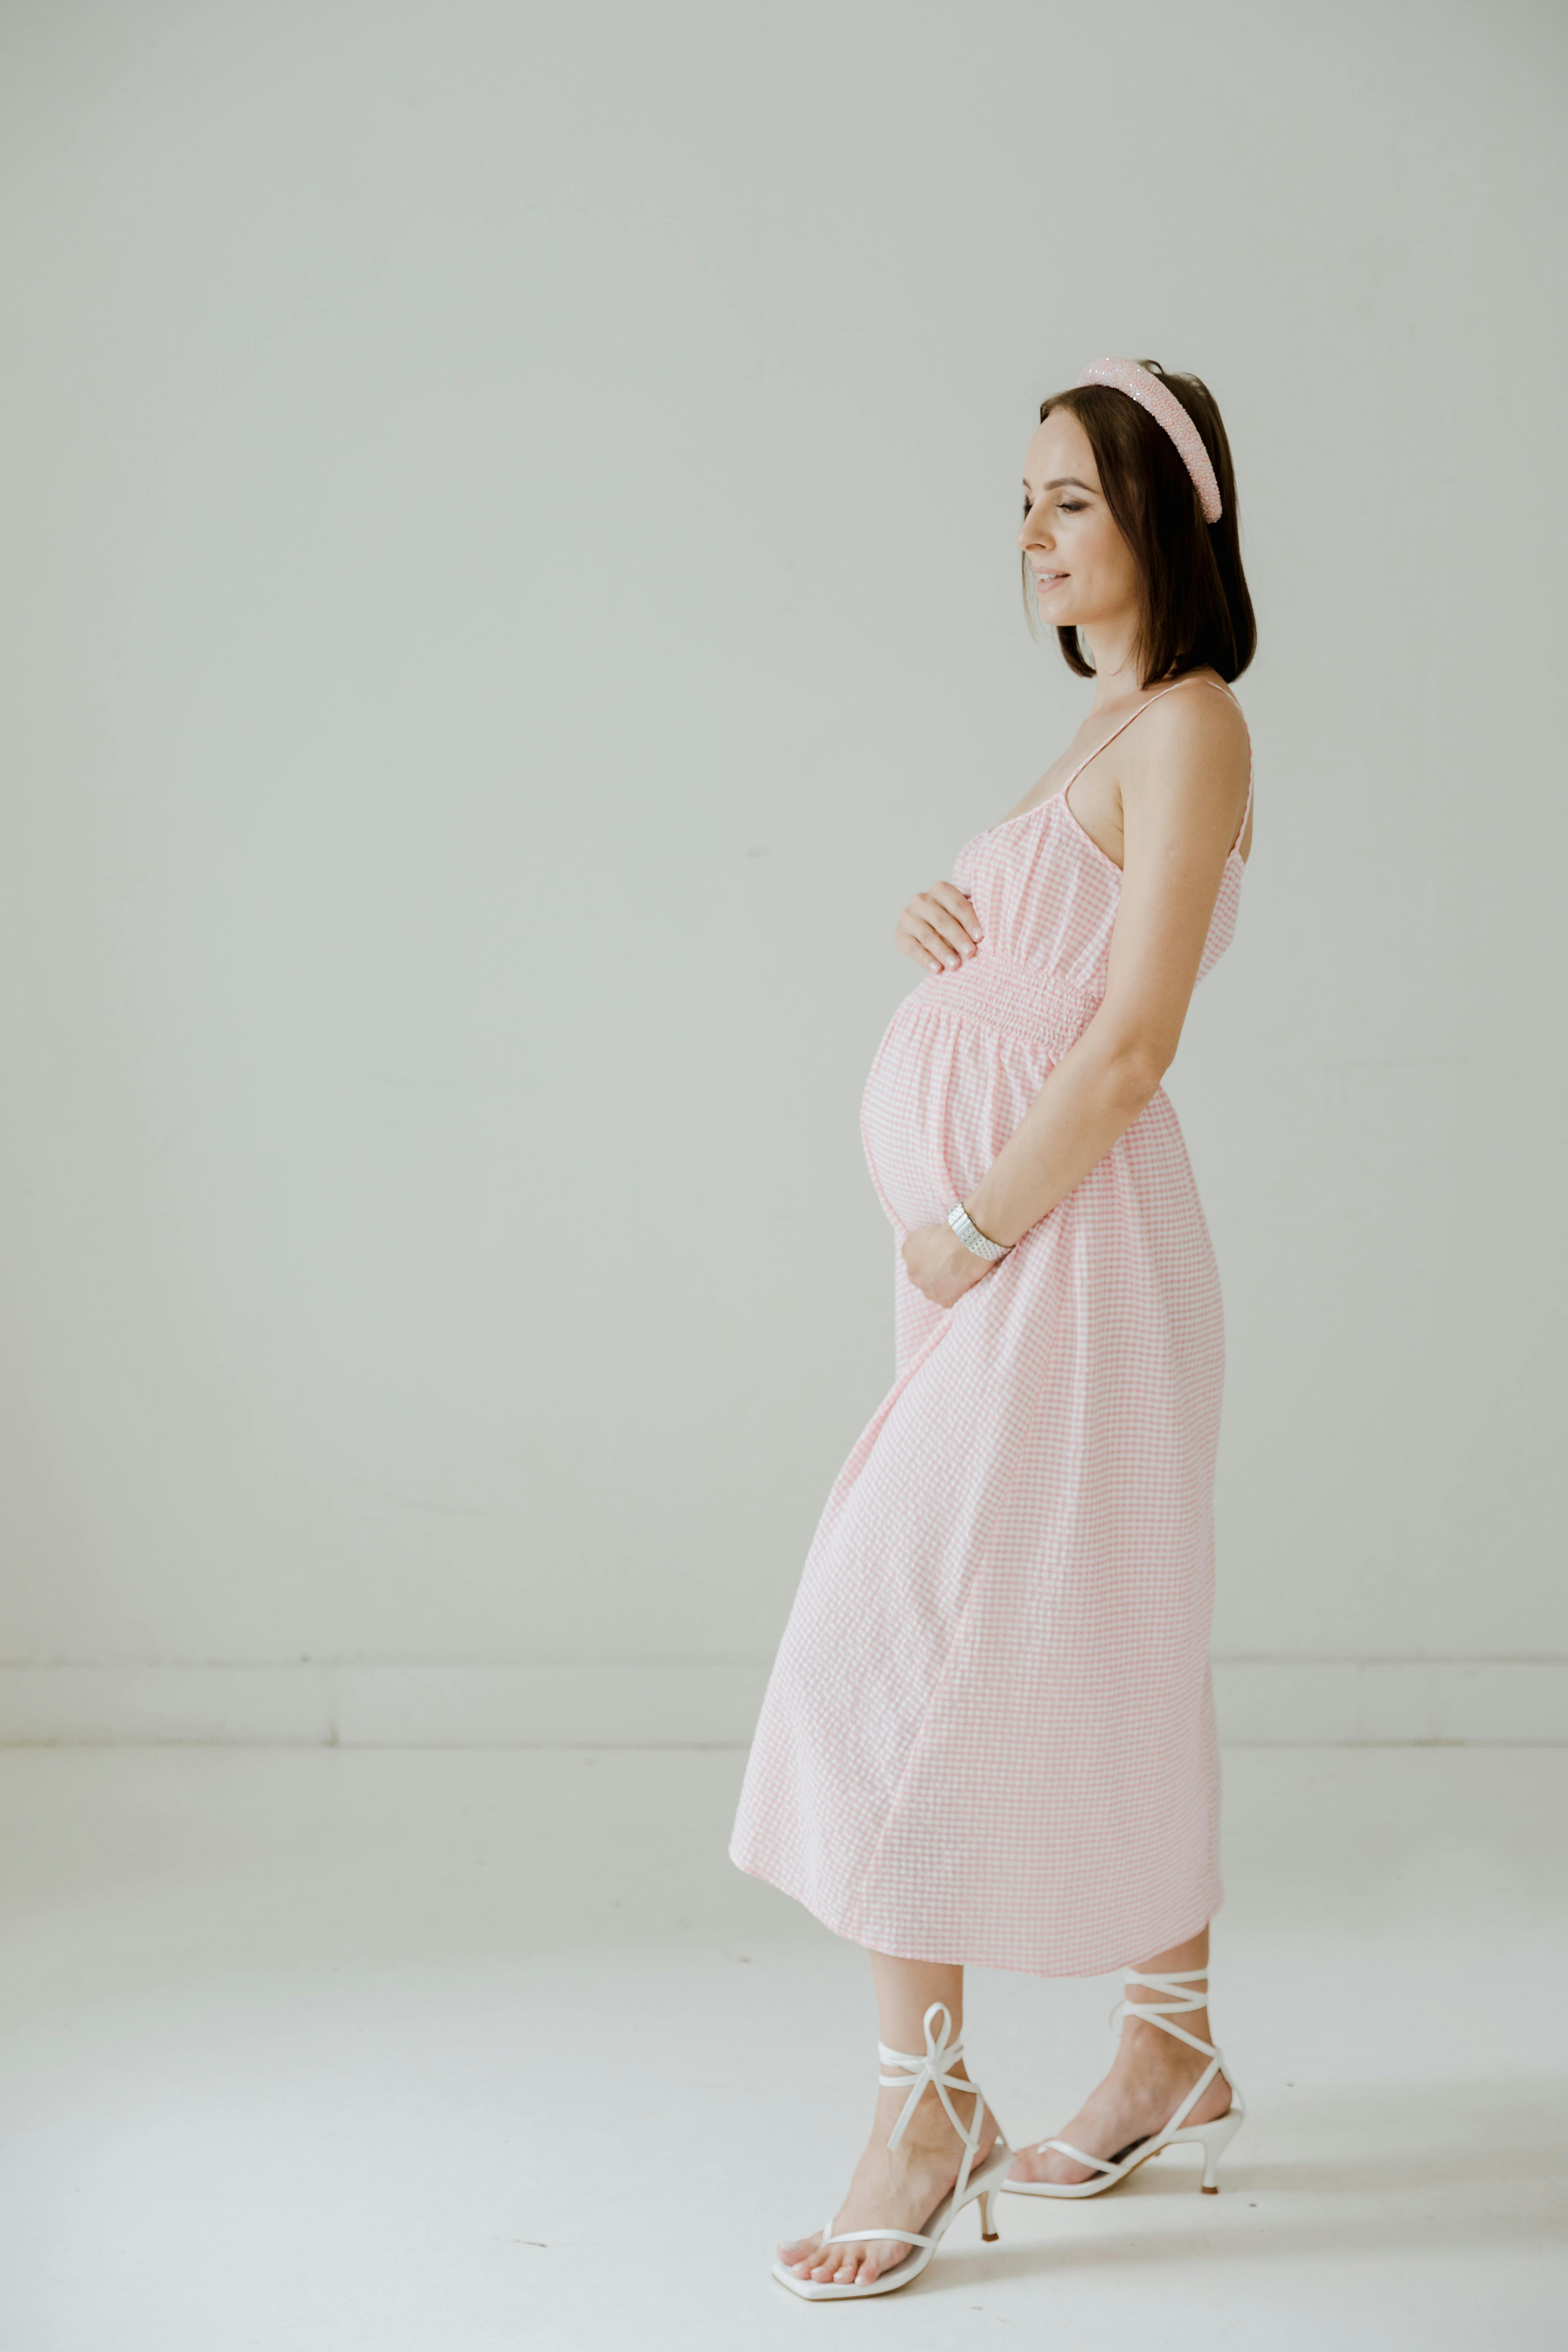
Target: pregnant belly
x=943 y=1096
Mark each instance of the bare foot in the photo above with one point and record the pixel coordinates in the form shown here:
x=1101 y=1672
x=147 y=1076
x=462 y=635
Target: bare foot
x=898 y=2187
x=1137 y=2098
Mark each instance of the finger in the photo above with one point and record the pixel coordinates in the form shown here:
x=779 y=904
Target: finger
x=930 y=910
x=947 y=951
x=952 y=897
x=907 y=940
x=904 y=938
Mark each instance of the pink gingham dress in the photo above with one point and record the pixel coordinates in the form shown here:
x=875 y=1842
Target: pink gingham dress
x=989 y=1736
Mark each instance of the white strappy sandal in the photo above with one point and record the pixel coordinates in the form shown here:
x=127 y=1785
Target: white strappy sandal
x=940 y=2056
x=1213 y=2138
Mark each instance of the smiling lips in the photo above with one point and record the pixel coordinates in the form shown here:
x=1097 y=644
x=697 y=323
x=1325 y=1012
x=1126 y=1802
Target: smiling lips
x=1044 y=580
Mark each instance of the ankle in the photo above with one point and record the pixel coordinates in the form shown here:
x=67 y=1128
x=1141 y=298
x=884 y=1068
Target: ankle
x=929 y=2125
x=1147 y=2048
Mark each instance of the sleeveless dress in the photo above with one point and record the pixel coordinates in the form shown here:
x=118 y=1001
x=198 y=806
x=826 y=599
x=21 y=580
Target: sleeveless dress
x=989 y=1736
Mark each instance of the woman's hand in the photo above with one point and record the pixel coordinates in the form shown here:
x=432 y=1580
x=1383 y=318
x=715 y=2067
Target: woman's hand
x=938 y=1263
x=939 y=928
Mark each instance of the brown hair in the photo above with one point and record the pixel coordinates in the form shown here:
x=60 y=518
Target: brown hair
x=1196 y=609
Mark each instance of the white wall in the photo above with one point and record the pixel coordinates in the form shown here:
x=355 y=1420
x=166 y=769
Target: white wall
x=508 y=589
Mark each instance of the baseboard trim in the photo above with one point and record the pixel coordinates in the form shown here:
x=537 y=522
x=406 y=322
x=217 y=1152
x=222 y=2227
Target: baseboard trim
x=1261 y=1702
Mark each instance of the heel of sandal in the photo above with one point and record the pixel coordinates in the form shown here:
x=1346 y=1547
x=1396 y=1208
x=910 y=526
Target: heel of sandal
x=1216 y=2137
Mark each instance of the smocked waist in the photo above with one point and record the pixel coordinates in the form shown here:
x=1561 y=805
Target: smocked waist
x=1004 y=993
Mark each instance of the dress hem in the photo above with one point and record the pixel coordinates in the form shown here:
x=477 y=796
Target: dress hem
x=983 y=1958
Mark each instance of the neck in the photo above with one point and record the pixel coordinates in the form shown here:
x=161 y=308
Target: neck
x=1113 y=649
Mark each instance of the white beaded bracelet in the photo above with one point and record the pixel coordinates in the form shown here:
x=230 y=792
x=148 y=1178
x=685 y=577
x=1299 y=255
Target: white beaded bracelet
x=971 y=1235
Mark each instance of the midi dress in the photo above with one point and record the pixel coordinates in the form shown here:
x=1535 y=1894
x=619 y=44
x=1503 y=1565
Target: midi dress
x=988 y=1737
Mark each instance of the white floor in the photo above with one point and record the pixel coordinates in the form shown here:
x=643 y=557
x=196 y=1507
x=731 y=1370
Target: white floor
x=320 y=2051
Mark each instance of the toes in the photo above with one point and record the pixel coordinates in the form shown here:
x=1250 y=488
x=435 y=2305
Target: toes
x=859 y=2265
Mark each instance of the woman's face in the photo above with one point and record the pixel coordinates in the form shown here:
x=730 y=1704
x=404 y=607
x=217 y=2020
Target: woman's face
x=1084 y=570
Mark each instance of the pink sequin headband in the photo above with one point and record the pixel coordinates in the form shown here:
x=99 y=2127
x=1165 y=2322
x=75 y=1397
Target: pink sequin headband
x=1126 y=376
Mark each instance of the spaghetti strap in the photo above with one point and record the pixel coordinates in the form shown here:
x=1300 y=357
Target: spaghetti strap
x=1062 y=790
x=1131 y=715
x=1247 y=809
x=1246 y=805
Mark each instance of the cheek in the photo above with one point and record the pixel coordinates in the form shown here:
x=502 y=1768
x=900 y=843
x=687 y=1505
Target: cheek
x=1112 y=560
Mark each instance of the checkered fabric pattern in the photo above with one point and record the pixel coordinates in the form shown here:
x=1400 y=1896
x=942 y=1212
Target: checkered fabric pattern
x=988 y=1737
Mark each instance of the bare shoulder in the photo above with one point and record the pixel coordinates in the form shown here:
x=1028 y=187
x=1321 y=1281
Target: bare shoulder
x=1194 y=718
x=1190 y=776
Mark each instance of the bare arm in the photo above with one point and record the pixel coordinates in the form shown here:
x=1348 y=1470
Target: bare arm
x=1184 y=784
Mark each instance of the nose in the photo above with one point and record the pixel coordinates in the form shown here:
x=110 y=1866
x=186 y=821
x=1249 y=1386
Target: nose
x=1033 y=532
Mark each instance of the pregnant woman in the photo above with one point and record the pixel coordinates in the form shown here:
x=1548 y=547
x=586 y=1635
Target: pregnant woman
x=989 y=1735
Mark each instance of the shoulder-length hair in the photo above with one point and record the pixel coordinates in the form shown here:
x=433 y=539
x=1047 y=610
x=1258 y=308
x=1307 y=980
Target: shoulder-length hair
x=1197 y=608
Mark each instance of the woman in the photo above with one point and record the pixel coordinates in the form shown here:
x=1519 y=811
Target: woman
x=989 y=1736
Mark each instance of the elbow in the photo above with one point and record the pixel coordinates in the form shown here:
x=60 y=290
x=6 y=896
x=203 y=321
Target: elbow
x=1136 y=1073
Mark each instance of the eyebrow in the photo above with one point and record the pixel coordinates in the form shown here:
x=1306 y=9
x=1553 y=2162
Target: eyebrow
x=1062 y=482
